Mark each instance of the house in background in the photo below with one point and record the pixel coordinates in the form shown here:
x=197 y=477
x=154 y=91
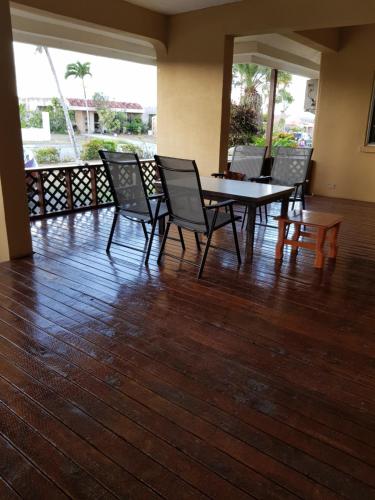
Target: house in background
x=78 y=106
x=131 y=109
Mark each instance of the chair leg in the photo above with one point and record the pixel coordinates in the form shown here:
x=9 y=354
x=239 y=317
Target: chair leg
x=197 y=241
x=266 y=213
x=235 y=235
x=181 y=238
x=154 y=223
x=203 y=261
x=260 y=214
x=294 y=197
x=164 y=241
x=115 y=217
x=144 y=229
x=303 y=198
x=244 y=217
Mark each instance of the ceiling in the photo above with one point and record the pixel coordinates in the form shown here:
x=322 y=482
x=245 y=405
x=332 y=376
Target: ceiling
x=178 y=6
x=278 y=51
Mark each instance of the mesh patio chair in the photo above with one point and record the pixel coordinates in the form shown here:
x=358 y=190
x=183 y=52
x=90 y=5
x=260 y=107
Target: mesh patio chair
x=247 y=160
x=129 y=192
x=246 y=165
x=187 y=210
x=291 y=167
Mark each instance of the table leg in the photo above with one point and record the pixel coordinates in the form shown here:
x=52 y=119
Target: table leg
x=280 y=240
x=319 y=250
x=250 y=229
x=333 y=242
x=295 y=237
x=162 y=225
x=284 y=206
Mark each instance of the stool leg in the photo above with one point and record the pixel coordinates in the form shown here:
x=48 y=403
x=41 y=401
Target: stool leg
x=295 y=237
x=333 y=242
x=319 y=249
x=280 y=240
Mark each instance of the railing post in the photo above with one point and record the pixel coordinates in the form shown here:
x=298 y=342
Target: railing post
x=93 y=185
x=40 y=190
x=69 y=191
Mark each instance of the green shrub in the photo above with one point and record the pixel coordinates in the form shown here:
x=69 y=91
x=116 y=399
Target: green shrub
x=91 y=148
x=128 y=147
x=135 y=126
x=47 y=155
x=282 y=139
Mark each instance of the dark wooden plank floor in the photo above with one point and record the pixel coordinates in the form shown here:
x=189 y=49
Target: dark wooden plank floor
x=118 y=380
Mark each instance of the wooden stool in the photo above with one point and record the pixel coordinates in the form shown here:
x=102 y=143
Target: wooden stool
x=323 y=222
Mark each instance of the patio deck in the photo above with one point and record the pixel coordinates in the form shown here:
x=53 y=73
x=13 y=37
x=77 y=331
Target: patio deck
x=119 y=380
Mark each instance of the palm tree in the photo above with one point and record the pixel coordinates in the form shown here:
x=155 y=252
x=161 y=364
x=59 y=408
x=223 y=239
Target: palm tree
x=80 y=70
x=255 y=78
x=69 y=126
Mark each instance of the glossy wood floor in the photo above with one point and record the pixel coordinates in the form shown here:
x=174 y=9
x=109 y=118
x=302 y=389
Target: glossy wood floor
x=118 y=380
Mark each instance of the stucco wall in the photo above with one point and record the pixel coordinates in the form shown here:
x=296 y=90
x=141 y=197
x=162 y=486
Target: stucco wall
x=342 y=169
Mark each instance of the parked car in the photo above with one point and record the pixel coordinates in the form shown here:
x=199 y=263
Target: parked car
x=29 y=159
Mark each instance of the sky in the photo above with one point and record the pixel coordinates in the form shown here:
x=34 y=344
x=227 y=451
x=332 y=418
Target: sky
x=118 y=80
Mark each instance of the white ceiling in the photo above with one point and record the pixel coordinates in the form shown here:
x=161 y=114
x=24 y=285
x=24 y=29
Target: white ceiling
x=279 y=52
x=177 y=6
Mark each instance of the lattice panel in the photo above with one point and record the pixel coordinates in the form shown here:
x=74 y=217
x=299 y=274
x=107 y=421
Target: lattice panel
x=55 y=194
x=33 y=198
x=81 y=187
x=103 y=188
x=150 y=174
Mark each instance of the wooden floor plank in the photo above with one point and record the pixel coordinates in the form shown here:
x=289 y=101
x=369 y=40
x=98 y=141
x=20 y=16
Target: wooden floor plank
x=252 y=382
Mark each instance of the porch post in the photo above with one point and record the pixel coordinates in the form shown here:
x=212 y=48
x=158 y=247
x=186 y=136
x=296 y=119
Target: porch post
x=194 y=85
x=271 y=111
x=15 y=239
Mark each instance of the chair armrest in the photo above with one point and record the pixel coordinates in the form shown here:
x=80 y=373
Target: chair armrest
x=155 y=196
x=218 y=174
x=220 y=204
x=262 y=179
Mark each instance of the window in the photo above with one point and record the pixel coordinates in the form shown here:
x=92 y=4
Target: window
x=370 y=139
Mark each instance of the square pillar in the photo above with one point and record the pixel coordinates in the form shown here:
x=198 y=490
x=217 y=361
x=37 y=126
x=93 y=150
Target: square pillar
x=15 y=238
x=194 y=90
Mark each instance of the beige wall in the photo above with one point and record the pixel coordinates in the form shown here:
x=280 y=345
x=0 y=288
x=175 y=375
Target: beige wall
x=193 y=95
x=342 y=169
x=15 y=238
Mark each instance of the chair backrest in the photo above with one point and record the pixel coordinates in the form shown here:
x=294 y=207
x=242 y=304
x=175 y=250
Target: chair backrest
x=127 y=183
x=182 y=187
x=291 y=165
x=248 y=160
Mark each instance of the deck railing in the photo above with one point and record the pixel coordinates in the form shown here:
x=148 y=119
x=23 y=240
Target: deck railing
x=55 y=190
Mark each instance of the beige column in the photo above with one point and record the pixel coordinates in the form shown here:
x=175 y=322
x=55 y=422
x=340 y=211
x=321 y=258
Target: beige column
x=15 y=240
x=194 y=85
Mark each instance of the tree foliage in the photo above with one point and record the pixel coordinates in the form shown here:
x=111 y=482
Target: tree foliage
x=30 y=119
x=243 y=124
x=255 y=78
x=110 y=121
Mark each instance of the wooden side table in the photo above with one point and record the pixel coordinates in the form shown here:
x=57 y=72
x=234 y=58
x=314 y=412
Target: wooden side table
x=325 y=227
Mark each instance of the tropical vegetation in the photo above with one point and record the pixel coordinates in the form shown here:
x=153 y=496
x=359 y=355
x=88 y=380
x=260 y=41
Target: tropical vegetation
x=80 y=70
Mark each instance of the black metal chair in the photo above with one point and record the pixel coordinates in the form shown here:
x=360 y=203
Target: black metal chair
x=127 y=182
x=247 y=160
x=187 y=210
x=246 y=165
x=291 y=167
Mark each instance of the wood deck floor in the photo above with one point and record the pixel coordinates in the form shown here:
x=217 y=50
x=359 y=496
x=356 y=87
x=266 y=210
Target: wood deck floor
x=118 y=380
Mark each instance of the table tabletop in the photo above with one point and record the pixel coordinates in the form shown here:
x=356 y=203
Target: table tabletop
x=243 y=191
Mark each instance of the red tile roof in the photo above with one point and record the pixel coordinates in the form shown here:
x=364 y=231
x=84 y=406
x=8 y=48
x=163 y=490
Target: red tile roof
x=80 y=103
